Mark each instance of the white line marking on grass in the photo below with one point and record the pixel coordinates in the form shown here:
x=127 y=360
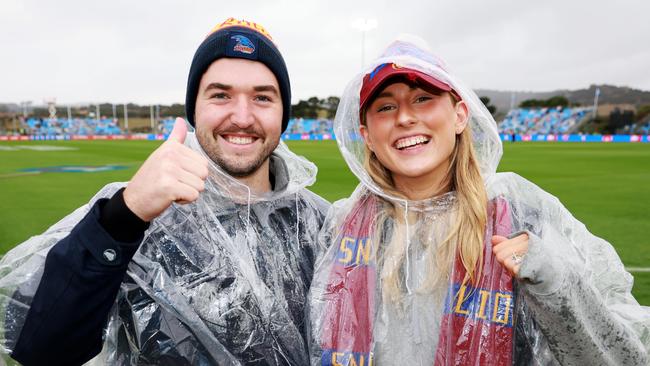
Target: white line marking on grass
x=637 y=269
x=46 y=148
x=13 y=175
x=37 y=148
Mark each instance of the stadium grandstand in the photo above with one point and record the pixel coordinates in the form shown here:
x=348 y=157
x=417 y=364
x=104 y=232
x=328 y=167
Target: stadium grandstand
x=559 y=120
x=107 y=126
x=310 y=126
x=166 y=125
x=77 y=126
x=521 y=124
x=637 y=128
x=645 y=129
x=300 y=126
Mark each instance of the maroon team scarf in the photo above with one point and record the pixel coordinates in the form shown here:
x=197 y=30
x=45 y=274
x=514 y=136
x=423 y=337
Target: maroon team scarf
x=476 y=328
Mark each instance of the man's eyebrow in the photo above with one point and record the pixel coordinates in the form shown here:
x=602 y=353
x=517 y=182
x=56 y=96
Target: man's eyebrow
x=266 y=88
x=218 y=86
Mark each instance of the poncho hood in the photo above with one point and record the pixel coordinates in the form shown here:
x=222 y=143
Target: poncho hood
x=411 y=52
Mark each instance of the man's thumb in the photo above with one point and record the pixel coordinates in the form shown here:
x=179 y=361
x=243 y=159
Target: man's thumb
x=179 y=131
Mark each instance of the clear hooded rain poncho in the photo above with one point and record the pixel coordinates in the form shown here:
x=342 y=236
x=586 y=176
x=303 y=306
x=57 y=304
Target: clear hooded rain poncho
x=222 y=280
x=372 y=300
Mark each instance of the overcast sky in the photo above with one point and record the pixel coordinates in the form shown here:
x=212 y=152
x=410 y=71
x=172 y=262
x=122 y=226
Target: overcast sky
x=140 y=51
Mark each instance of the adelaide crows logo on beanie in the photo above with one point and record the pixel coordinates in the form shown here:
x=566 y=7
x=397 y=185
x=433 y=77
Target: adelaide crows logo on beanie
x=242 y=44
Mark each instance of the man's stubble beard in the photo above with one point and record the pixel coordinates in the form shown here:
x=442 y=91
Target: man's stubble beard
x=233 y=165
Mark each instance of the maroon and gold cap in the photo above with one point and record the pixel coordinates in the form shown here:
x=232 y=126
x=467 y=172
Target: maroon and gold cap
x=374 y=80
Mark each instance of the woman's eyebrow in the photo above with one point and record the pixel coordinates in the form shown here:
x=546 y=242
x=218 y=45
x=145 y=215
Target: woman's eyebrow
x=384 y=94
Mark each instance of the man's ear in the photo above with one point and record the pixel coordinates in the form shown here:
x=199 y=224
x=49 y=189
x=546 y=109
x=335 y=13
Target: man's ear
x=366 y=138
x=462 y=117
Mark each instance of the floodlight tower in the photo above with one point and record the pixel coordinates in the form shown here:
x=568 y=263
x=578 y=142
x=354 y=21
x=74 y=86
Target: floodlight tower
x=51 y=107
x=596 y=95
x=364 y=25
x=126 y=118
x=151 y=116
x=25 y=104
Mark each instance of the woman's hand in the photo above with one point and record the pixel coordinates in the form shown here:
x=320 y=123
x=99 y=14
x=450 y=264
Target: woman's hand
x=510 y=252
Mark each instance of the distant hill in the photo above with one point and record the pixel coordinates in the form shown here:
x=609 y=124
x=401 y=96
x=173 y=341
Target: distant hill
x=608 y=94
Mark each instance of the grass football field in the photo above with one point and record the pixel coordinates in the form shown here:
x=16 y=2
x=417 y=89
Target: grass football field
x=606 y=186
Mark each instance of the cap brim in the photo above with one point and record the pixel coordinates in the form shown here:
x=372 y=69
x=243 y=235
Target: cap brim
x=374 y=81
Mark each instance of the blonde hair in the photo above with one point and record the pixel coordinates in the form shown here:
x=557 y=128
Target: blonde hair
x=465 y=237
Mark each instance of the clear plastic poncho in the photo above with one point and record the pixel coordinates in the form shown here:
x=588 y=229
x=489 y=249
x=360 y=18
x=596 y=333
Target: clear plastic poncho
x=222 y=280
x=372 y=300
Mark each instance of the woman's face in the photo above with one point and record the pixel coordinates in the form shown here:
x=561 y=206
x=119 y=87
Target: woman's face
x=412 y=132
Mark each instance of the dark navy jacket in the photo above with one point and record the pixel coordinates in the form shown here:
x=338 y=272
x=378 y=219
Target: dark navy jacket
x=80 y=282
x=85 y=275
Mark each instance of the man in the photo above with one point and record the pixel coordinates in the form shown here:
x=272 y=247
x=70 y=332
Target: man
x=205 y=257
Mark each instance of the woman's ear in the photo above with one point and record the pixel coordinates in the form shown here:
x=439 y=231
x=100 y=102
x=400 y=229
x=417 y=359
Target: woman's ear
x=462 y=114
x=366 y=138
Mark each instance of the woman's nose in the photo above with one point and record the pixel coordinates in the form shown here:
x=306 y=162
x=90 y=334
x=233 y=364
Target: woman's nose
x=405 y=116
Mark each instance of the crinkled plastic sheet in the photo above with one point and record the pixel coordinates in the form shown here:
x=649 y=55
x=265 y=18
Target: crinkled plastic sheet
x=220 y=281
x=570 y=305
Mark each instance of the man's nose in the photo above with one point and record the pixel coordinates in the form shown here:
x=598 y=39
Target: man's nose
x=242 y=115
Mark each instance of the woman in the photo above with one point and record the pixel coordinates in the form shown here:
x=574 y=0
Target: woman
x=436 y=259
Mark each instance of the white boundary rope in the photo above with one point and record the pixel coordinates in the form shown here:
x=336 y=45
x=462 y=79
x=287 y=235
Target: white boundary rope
x=637 y=269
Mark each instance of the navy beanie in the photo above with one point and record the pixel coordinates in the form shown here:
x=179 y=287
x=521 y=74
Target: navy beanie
x=238 y=39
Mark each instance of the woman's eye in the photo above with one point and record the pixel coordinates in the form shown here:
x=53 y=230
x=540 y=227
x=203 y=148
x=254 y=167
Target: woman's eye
x=385 y=108
x=422 y=98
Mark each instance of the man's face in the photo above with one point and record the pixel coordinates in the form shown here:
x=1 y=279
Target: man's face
x=238 y=114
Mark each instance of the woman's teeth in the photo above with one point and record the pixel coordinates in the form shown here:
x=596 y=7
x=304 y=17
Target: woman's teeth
x=410 y=141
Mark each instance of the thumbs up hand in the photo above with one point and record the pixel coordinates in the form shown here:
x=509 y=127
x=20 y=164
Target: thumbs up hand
x=172 y=173
x=179 y=131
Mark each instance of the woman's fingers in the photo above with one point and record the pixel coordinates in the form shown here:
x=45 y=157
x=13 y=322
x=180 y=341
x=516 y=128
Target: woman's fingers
x=510 y=252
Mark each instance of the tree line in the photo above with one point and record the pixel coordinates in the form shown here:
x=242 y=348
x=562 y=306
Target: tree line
x=311 y=108
x=552 y=102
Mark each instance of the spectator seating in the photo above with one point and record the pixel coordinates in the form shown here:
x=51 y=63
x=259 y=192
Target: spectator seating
x=559 y=120
x=310 y=126
x=89 y=126
x=166 y=125
x=636 y=129
x=77 y=126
